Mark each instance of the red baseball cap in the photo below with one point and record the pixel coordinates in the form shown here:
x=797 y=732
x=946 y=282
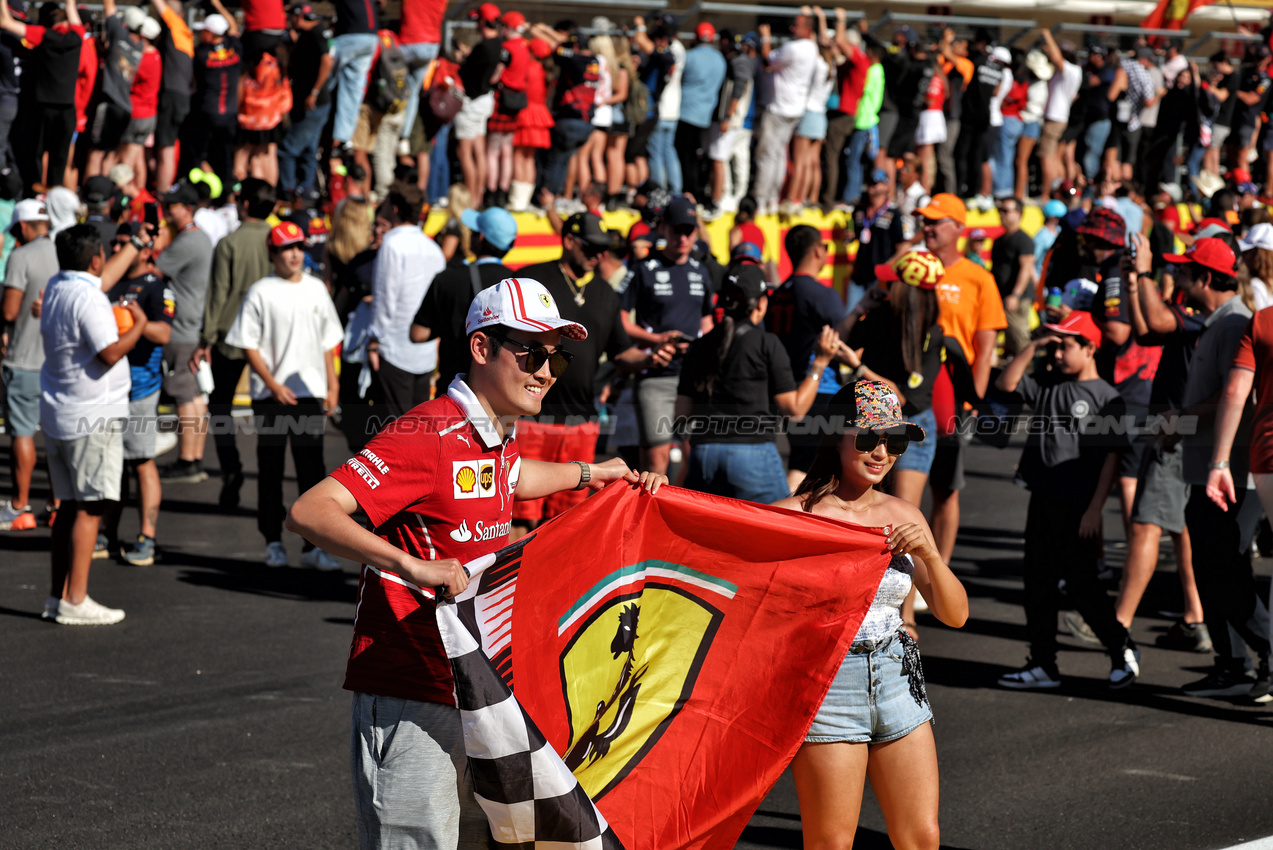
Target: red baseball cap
x=286 y=233
x=1079 y=323
x=488 y=12
x=1210 y=253
x=705 y=31
x=513 y=19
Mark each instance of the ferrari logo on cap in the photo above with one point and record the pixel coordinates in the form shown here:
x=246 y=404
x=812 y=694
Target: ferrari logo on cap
x=545 y=300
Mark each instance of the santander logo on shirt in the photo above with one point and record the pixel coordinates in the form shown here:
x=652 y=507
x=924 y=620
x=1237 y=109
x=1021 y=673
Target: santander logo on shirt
x=481 y=531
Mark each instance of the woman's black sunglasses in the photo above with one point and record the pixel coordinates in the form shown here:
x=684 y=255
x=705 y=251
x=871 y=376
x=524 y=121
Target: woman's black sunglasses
x=537 y=355
x=894 y=444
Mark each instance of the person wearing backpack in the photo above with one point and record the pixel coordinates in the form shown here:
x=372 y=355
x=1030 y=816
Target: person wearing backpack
x=309 y=67
x=265 y=96
x=510 y=100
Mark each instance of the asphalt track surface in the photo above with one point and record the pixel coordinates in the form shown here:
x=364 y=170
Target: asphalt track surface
x=213 y=716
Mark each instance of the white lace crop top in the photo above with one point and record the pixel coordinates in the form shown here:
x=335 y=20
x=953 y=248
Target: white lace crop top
x=885 y=616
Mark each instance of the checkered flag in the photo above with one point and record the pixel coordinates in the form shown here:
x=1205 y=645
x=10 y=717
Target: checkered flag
x=530 y=797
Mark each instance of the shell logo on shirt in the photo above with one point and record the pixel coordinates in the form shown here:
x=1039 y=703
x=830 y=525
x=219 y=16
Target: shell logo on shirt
x=474 y=479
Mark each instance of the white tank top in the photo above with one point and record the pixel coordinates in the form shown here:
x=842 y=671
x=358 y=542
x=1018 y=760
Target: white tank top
x=885 y=616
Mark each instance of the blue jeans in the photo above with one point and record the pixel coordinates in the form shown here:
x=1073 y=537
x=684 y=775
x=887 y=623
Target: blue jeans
x=858 y=145
x=568 y=136
x=918 y=457
x=665 y=167
x=440 y=165
x=1005 y=156
x=749 y=471
x=1194 y=163
x=298 y=151
x=416 y=53
x=353 y=54
x=1094 y=144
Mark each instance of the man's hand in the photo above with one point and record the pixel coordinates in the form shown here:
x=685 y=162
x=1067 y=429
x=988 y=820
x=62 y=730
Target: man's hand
x=201 y=354
x=1220 y=488
x=1144 y=255
x=1012 y=303
x=447 y=574
x=138 y=314
x=38 y=304
x=332 y=402
x=724 y=127
x=373 y=358
x=547 y=200
x=281 y=393
x=311 y=103
x=662 y=356
x=1090 y=525
x=764 y=31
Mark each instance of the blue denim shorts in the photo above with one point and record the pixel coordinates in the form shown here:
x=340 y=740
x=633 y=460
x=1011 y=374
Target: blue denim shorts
x=919 y=456
x=871 y=700
x=1031 y=131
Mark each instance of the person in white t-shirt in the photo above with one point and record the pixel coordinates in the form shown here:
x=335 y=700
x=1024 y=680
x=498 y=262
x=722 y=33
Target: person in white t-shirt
x=289 y=331
x=1062 y=89
x=84 y=386
x=792 y=67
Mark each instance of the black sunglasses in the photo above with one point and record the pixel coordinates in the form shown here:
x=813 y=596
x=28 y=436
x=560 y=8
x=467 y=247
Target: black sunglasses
x=894 y=444
x=537 y=355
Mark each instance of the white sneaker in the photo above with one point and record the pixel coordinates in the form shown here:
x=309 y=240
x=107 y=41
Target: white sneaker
x=50 y=608
x=87 y=613
x=1029 y=678
x=165 y=441
x=275 y=555
x=318 y=559
x=16 y=518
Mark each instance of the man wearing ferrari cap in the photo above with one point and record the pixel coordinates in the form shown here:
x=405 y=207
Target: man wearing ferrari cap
x=438 y=485
x=1220 y=538
x=289 y=332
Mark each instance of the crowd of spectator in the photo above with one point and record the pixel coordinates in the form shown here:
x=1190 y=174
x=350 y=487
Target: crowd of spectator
x=187 y=200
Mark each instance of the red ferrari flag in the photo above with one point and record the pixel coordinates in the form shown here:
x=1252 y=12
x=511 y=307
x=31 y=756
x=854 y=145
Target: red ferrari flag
x=671 y=649
x=1172 y=14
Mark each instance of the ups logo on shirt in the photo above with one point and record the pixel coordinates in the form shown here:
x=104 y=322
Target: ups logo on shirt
x=473 y=479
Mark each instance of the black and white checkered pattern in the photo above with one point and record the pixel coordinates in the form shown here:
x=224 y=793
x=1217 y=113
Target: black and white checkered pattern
x=530 y=797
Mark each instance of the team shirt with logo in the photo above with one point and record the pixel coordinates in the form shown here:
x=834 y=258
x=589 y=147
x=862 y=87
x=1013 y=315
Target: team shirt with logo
x=436 y=483
x=669 y=296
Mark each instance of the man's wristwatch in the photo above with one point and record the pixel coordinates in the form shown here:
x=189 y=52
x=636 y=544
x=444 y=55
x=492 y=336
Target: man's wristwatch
x=1219 y=464
x=585 y=474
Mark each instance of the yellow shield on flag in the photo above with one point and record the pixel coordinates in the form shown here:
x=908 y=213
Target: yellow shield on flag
x=629 y=667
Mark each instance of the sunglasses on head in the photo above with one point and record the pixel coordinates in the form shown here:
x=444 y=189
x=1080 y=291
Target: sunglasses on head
x=866 y=441
x=537 y=355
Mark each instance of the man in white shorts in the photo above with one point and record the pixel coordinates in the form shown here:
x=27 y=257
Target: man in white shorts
x=728 y=129
x=84 y=387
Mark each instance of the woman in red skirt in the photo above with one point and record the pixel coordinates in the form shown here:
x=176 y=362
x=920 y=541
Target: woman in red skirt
x=534 y=124
x=509 y=98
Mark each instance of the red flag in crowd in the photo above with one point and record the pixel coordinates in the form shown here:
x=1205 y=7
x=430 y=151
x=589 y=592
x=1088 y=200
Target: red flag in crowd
x=1172 y=14
x=673 y=649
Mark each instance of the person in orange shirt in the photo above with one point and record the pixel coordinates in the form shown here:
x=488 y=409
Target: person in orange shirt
x=958 y=69
x=971 y=312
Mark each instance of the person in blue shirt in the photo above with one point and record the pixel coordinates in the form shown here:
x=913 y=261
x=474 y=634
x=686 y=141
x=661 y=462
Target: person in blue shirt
x=145 y=367
x=700 y=89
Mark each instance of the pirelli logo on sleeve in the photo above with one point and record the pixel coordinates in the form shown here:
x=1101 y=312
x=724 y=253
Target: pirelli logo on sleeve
x=473 y=479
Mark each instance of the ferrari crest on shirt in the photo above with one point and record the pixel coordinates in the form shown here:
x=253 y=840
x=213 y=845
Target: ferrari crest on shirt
x=473 y=479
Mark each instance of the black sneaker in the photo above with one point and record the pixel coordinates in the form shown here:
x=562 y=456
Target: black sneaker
x=183 y=472
x=1186 y=637
x=230 y=485
x=1221 y=682
x=1031 y=677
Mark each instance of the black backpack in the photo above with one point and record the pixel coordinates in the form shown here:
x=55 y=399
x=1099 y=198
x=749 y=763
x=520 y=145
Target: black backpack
x=392 y=78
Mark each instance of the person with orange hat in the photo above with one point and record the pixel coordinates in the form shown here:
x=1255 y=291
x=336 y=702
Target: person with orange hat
x=1069 y=467
x=970 y=312
x=289 y=332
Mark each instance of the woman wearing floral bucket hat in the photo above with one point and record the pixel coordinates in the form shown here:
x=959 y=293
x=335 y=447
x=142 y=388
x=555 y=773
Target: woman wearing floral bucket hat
x=875 y=717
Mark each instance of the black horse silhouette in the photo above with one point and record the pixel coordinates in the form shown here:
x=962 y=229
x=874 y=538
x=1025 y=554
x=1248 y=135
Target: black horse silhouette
x=595 y=742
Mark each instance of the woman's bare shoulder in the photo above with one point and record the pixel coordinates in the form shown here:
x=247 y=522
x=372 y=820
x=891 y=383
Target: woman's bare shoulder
x=901 y=510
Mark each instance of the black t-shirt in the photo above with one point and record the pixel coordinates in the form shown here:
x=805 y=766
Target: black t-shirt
x=1130 y=367
x=352 y=281
x=797 y=311
x=1168 y=391
x=1230 y=84
x=216 y=69
x=571 y=400
x=10 y=69
x=668 y=297
x=1253 y=80
x=1064 y=460
x=879 y=335
x=986 y=79
x=105 y=226
x=355 y=16
x=302 y=66
x=445 y=308
x=480 y=64
x=55 y=65
x=1005 y=260
x=576 y=88
x=737 y=408
x=878 y=239
x=151 y=293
